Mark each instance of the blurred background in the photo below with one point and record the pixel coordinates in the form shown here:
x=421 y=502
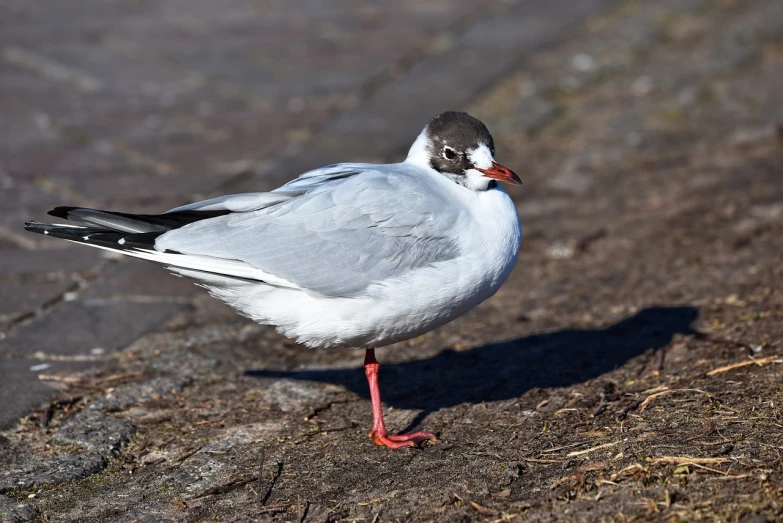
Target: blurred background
x=145 y=104
x=141 y=106
x=648 y=135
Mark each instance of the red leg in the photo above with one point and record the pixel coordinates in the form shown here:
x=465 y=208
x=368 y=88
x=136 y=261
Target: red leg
x=378 y=432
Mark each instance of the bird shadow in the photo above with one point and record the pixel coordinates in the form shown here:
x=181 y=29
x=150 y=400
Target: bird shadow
x=506 y=370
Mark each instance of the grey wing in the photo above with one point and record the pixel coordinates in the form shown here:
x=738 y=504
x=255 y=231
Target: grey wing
x=335 y=240
x=260 y=200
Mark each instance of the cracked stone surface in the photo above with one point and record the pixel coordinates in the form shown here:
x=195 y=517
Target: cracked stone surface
x=289 y=395
x=52 y=471
x=96 y=431
x=123 y=397
x=219 y=464
x=13 y=511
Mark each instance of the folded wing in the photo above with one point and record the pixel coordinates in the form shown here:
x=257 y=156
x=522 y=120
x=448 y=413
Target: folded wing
x=335 y=239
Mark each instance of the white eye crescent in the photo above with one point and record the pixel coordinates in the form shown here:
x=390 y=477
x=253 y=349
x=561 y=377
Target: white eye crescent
x=449 y=153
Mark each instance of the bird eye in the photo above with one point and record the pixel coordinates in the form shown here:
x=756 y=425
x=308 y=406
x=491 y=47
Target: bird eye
x=449 y=153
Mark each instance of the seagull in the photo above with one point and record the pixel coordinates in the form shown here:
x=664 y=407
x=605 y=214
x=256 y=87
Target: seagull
x=348 y=255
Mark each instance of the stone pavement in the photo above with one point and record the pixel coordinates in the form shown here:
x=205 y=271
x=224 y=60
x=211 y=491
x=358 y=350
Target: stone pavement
x=143 y=405
x=143 y=106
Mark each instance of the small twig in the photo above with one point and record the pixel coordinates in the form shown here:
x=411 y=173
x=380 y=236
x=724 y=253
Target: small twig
x=227 y=487
x=261 y=472
x=661 y=358
x=119 y=377
x=601 y=406
x=61 y=379
x=538 y=460
x=483 y=510
x=643 y=405
x=726 y=368
x=770 y=446
x=623 y=413
x=326 y=406
x=46 y=417
x=304 y=512
x=685 y=460
x=65 y=404
x=301 y=513
x=591 y=449
x=277 y=507
x=208 y=422
x=734 y=476
x=724 y=341
x=569 y=446
x=710 y=469
x=188 y=454
x=629 y=468
x=275 y=477
x=711 y=443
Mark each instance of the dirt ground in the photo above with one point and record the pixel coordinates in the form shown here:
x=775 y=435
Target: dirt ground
x=630 y=369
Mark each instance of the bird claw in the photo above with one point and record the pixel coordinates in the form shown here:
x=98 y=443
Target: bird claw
x=402 y=440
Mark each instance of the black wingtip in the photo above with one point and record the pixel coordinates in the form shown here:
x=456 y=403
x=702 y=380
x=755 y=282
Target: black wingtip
x=34 y=226
x=61 y=212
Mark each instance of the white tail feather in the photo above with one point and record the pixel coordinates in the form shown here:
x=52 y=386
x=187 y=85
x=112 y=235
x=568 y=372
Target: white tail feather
x=204 y=264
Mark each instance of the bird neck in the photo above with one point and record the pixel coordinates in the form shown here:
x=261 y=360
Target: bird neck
x=418 y=154
x=471 y=181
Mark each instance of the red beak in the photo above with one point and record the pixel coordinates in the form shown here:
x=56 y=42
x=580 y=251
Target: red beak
x=498 y=172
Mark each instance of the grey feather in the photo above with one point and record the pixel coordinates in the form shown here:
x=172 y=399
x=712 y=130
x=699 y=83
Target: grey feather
x=114 y=221
x=260 y=200
x=237 y=202
x=339 y=236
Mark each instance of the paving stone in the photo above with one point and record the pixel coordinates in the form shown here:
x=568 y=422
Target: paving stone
x=13 y=511
x=525 y=26
x=17 y=298
x=40 y=149
x=138 y=278
x=22 y=391
x=125 y=192
x=737 y=48
x=533 y=113
x=27 y=139
x=15 y=263
x=446 y=80
x=96 y=431
x=7 y=245
x=183 y=362
x=152 y=513
x=290 y=395
x=75 y=328
x=156 y=388
x=573 y=176
x=53 y=470
x=237 y=454
x=103 y=95
x=22 y=201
